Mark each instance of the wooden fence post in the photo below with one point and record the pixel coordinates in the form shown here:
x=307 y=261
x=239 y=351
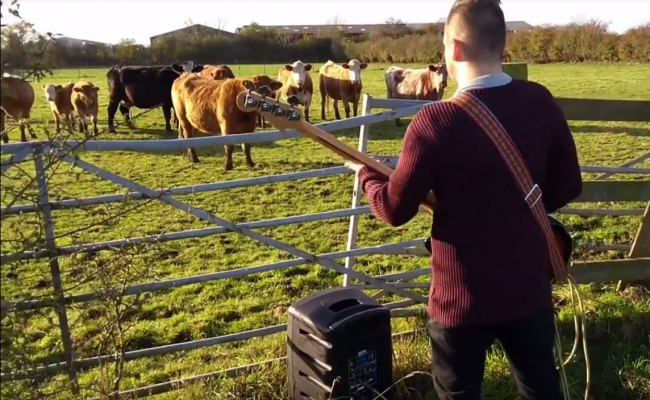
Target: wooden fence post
x=641 y=245
x=364 y=130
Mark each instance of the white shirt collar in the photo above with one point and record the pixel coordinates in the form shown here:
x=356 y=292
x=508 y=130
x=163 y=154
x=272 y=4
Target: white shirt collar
x=486 y=81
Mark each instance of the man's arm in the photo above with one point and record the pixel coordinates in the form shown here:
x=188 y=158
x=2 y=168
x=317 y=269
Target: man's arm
x=396 y=200
x=563 y=177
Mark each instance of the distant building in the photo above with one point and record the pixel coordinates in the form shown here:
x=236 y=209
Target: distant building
x=191 y=32
x=81 y=43
x=357 y=30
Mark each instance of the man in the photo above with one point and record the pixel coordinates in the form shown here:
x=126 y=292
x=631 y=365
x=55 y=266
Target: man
x=489 y=260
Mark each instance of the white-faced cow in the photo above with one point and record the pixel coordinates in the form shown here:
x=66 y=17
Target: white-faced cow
x=297 y=82
x=341 y=82
x=59 y=97
x=416 y=84
x=143 y=87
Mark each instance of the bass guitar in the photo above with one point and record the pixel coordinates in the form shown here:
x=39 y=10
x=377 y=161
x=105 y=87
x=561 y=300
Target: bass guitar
x=287 y=116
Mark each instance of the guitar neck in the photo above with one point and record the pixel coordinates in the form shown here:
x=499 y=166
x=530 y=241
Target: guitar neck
x=351 y=154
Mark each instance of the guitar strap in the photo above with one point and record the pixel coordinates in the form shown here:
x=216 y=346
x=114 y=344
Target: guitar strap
x=531 y=192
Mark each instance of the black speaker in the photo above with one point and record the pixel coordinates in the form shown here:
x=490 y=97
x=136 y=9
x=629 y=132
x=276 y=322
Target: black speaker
x=339 y=345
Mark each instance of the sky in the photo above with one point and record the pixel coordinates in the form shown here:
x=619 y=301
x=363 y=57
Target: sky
x=110 y=21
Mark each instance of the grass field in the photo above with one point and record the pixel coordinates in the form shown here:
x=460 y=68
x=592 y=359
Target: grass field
x=618 y=323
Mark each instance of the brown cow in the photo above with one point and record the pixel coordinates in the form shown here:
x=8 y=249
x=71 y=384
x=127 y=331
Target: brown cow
x=341 y=82
x=210 y=106
x=217 y=72
x=16 y=101
x=222 y=72
x=85 y=104
x=60 y=99
x=297 y=82
x=416 y=84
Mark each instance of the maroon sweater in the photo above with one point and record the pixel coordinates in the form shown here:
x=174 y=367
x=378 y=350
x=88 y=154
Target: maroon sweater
x=489 y=257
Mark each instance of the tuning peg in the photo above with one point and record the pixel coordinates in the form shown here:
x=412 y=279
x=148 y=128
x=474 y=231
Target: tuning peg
x=293 y=100
x=264 y=91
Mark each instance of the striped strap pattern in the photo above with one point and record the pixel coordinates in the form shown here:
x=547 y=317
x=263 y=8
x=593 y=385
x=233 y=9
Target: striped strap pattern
x=510 y=154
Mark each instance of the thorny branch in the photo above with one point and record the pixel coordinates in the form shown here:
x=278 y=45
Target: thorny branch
x=98 y=328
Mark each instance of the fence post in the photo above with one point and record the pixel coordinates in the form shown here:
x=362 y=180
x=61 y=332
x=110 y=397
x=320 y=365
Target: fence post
x=641 y=245
x=46 y=210
x=366 y=107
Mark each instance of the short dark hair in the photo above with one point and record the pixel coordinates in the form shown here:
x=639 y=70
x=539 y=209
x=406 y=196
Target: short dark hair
x=483 y=26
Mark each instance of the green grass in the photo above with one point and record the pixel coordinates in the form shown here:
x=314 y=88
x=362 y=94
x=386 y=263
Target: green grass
x=618 y=323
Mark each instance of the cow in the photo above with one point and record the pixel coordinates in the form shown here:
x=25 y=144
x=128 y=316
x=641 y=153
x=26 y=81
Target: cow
x=416 y=84
x=85 y=103
x=210 y=106
x=16 y=100
x=222 y=72
x=142 y=87
x=217 y=72
x=341 y=82
x=297 y=82
x=60 y=99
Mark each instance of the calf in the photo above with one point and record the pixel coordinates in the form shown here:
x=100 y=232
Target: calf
x=416 y=84
x=16 y=100
x=85 y=104
x=297 y=82
x=142 y=87
x=60 y=99
x=211 y=106
x=341 y=82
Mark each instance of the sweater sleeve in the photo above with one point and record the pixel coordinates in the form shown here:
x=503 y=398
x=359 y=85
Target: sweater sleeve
x=563 y=177
x=396 y=199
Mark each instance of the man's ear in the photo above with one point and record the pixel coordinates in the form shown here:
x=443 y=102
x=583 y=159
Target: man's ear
x=459 y=50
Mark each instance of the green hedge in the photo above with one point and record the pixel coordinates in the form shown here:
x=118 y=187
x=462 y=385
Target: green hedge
x=589 y=42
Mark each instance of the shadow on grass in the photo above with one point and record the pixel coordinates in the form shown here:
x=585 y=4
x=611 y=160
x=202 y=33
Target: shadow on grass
x=626 y=130
x=618 y=348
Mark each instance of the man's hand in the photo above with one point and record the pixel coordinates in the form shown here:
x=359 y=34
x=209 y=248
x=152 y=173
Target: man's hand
x=354 y=166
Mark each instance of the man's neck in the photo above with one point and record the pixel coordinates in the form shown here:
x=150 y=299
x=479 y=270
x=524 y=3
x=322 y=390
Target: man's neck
x=466 y=73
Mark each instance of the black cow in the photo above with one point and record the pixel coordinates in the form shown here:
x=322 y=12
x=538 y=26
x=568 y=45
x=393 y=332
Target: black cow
x=143 y=87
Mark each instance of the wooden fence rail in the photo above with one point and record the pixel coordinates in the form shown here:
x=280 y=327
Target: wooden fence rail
x=593 y=192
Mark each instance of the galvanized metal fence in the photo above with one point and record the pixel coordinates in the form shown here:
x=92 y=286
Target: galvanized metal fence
x=594 y=191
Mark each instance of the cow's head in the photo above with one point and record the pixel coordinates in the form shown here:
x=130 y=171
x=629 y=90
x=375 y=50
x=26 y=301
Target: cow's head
x=187 y=67
x=89 y=92
x=263 y=80
x=222 y=72
x=298 y=72
x=439 y=76
x=51 y=90
x=354 y=68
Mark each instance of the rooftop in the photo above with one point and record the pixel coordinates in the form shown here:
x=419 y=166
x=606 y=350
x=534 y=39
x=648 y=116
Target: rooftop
x=364 y=28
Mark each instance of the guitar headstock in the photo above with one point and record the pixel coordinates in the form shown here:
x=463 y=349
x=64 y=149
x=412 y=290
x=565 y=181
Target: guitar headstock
x=279 y=114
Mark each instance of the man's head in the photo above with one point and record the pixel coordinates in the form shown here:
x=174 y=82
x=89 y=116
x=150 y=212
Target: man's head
x=475 y=34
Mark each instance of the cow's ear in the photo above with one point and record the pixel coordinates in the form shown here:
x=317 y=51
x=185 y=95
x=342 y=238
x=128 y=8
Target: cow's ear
x=363 y=65
x=308 y=67
x=43 y=86
x=345 y=65
x=248 y=84
x=96 y=89
x=276 y=85
x=432 y=68
x=288 y=67
x=77 y=89
x=58 y=87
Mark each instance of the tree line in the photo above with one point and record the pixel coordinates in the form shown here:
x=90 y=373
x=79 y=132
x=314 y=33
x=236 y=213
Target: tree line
x=397 y=43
